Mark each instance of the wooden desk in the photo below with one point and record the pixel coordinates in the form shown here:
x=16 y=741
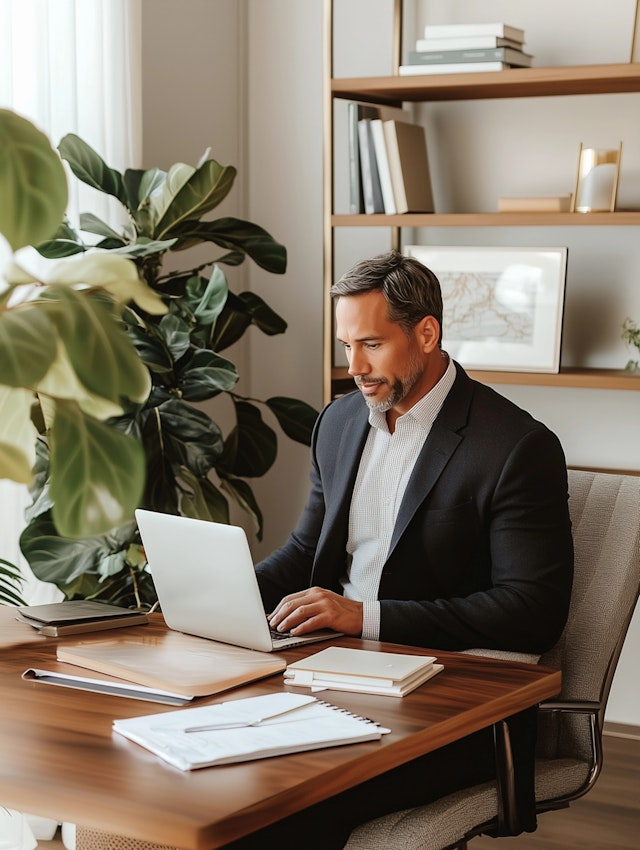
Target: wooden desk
x=60 y=760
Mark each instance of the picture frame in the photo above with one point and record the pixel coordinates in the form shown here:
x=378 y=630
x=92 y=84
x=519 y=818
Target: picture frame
x=503 y=307
x=596 y=187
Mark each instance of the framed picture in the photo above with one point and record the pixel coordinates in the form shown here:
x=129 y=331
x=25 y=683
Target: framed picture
x=502 y=306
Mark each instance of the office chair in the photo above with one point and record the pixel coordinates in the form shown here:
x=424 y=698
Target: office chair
x=605 y=512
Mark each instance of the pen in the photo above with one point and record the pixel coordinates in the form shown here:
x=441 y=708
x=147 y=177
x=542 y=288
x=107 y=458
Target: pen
x=239 y=724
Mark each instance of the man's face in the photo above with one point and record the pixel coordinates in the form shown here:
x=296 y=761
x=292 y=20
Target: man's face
x=388 y=366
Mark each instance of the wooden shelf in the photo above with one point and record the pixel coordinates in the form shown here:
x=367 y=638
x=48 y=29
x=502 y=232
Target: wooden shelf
x=519 y=219
x=592 y=379
x=514 y=82
x=570 y=80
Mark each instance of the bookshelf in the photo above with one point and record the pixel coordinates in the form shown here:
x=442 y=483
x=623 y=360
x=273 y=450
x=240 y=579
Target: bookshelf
x=513 y=83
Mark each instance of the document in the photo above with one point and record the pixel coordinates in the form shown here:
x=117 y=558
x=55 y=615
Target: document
x=363 y=670
x=246 y=729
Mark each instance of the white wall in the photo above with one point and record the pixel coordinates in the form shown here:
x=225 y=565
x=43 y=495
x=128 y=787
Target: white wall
x=196 y=94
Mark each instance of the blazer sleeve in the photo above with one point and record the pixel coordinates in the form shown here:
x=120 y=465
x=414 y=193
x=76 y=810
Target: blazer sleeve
x=288 y=569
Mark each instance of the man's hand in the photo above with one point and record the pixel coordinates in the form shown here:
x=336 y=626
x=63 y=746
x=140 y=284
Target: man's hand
x=317 y=608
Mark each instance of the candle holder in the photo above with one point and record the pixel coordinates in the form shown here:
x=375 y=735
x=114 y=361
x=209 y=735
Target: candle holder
x=597 y=180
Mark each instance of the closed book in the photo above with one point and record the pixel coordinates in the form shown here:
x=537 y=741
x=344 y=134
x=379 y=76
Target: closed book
x=382 y=160
x=486 y=54
x=371 y=189
x=75 y=616
x=551 y=203
x=409 y=166
x=466 y=42
x=456 y=30
x=175 y=662
x=452 y=68
x=357 y=110
x=246 y=729
x=362 y=670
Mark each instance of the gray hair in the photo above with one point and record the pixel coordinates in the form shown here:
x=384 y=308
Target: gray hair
x=411 y=290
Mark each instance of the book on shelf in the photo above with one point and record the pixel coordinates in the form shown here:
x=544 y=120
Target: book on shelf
x=357 y=110
x=456 y=30
x=486 y=54
x=467 y=42
x=246 y=729
x=362 y=670
x=409 y=166
x=538 y=203
x=382 y=161
x=172 y=662
x=452 y=68
x=75 y=616
x=371 y=189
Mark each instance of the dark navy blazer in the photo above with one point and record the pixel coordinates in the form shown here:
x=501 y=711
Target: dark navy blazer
x=481 y=554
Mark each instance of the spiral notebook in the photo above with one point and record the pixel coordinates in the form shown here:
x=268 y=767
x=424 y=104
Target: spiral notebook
x=246 y=729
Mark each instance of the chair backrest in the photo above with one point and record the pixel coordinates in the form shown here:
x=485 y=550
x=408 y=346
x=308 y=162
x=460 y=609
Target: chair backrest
x=605 y=514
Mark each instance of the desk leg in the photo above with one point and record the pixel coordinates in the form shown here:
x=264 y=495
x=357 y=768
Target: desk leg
x=514 y=740
x=95 y=839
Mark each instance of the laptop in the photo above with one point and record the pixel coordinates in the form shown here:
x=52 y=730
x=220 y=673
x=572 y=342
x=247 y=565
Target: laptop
x=206 y=583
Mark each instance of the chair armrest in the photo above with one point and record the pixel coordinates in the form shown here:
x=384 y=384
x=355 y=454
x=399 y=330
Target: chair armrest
x=570 y=706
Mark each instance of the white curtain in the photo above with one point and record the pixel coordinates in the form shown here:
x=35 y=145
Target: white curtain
x=71 y=66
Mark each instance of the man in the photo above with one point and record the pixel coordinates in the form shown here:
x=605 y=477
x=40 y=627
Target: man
x=437 y=516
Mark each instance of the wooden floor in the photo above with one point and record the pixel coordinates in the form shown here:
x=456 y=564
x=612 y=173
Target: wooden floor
x=608 y=818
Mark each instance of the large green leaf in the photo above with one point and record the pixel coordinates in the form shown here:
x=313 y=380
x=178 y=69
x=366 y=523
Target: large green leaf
x=64 y=243
x=143 y=247
x=90 y=223
x=89 y=167
x=28 y=344
x=243 y=495
x=206 y=375
x=232 y=322
x=251 y=447
x=212 y=301
x=56 y=249
x=201 y=499
x=262 y=316
x=236 y=234
x=188 y=436
x=71 y=564
x=205 y=189
x=100 y=351
x=175 y=335
x=97 y=474
x=238 y=313
x=10 y=583
x=17 y=434
x=296 y=418
x=33 y=184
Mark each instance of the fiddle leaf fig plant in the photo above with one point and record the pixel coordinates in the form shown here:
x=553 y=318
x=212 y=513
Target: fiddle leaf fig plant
x=68 y=366
x=192 y=467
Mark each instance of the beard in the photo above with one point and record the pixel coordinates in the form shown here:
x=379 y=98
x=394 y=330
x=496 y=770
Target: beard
x=399 y=388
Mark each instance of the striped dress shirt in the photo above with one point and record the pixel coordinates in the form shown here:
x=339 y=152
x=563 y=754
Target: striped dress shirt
x=385 y=468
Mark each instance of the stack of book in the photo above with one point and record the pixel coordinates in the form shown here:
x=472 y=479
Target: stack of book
x=460 y=48
x=388 y=161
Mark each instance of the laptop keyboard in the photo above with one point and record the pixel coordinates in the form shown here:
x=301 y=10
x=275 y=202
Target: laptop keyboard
x=276 y=635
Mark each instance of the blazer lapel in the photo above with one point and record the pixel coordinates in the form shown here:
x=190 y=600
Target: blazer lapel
x=443 y=440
